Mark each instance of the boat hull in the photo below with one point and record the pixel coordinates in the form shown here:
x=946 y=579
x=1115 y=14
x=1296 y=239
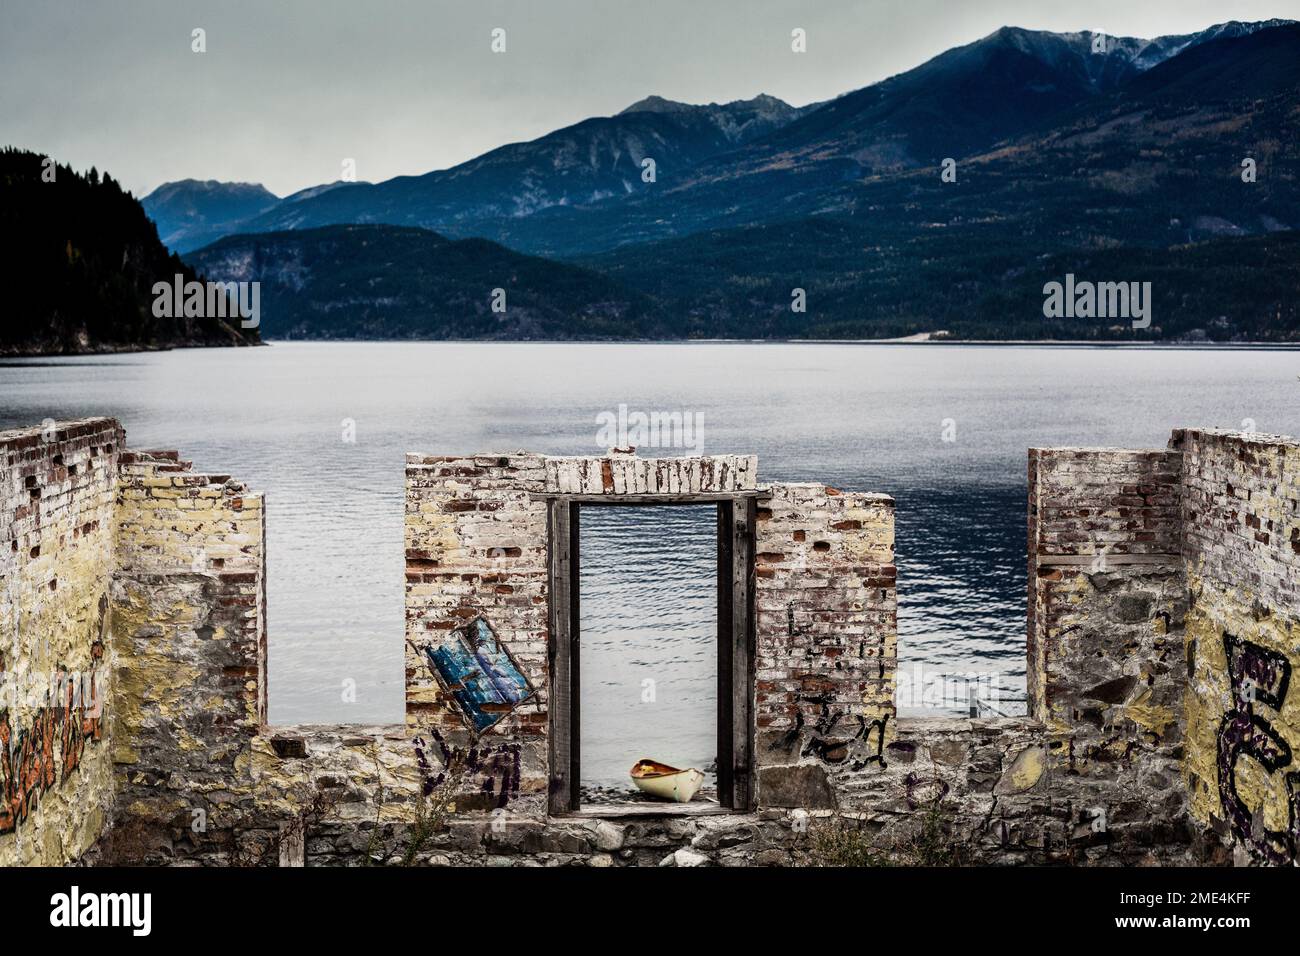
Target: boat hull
x=680 y=786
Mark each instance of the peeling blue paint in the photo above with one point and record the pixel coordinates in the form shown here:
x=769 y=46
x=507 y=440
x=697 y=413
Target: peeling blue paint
x=478 y=671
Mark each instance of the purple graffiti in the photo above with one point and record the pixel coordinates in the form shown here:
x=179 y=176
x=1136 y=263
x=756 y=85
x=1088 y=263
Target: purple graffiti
x=497 y=768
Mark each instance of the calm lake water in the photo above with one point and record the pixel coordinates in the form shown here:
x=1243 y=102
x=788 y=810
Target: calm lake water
x=862 y=417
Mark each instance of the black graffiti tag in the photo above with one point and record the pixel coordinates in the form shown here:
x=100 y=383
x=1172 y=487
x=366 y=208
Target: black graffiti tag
x=1258 y=676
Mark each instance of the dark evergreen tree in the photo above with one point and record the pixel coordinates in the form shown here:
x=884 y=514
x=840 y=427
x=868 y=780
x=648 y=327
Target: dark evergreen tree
x=80 y=259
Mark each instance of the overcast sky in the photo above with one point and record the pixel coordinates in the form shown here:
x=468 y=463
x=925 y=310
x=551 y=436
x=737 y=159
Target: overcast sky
x=287 y=90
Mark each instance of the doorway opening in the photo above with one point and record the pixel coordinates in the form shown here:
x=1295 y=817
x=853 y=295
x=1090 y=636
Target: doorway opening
x=649 y=687
x=651 y=652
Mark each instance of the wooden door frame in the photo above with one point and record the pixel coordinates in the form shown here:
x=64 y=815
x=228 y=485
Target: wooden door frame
x=737 y=514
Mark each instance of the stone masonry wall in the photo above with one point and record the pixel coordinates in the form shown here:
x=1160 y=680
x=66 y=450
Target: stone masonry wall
x=1094 y=780
x=56 y=551
x=1106 y=668
x=1241 y=543
x=1145 y=567
x=189 y=646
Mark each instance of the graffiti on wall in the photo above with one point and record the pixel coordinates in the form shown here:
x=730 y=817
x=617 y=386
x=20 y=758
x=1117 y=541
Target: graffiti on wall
x=476 y=669
x=837 y=750
x=36 y=757
x=1260 y=680
x=487 y=774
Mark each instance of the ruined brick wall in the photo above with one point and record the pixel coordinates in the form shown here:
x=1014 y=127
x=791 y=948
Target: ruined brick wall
x=189 y=641
x=1142 y=564
x=56 y=551
x=1101 y=522
x=1241 y=542
x=827 y=741
x=1163 y=666
x=476 y=550
x=827 y=637
x=476 y=556
x=1106 y=666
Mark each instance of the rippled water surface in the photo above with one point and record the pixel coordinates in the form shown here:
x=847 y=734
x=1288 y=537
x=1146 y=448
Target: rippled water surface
x=863 y=417
x=649 y=663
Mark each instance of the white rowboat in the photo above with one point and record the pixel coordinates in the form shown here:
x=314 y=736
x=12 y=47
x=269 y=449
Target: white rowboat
x=665 y=782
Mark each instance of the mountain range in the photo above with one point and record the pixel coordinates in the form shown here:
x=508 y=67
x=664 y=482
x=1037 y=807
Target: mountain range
x=1063 y=149
x=191 y=213
x=586 y=163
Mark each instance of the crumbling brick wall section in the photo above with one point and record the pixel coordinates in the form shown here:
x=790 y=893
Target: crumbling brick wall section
x=189 y=645
x=1241 y=543
x=476 y=551
x=1106 y=667
x=827 y=625
x=56 y=552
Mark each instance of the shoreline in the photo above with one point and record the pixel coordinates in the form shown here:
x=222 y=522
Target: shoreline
x=6 y=357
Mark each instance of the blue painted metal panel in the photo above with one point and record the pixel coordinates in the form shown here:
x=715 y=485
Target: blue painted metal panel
x=478 y=671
